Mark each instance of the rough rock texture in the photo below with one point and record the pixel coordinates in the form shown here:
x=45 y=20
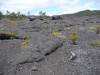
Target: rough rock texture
x=47 y=54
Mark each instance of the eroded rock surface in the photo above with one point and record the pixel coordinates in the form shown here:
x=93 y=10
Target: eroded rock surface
x=47 y=54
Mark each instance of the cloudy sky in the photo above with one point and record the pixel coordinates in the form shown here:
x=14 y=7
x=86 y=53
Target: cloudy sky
x=51 y=7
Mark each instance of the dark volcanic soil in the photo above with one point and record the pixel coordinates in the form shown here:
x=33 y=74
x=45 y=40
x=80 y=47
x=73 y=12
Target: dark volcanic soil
x=46 y=54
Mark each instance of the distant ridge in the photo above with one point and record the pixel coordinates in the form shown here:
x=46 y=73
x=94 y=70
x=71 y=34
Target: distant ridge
x=86 y=13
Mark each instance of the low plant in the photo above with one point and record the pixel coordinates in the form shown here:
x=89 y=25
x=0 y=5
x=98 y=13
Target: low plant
x=25 y=42
x=73 y=37
x=41 y=13
x=97 y=29
x=95 y=43
x=1 y=15
x=8 y=36
x=13 y=35
x=58 y=34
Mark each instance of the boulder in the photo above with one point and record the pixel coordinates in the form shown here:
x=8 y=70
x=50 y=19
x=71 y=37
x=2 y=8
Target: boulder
x=56 y=18
x=29 y=56
x=50 y=46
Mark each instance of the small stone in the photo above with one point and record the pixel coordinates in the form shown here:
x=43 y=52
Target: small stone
x=34 y=68
x=73 y=56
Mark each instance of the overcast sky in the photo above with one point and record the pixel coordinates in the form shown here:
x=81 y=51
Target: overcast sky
x=51 y=7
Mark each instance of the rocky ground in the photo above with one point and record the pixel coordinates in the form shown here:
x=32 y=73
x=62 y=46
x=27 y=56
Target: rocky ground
x=46 y=54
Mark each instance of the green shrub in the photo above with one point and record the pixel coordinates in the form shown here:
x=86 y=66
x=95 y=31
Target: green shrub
x=14 y=16
x=8 y=36
x=25 y=42
x=97 y=29
x=95 y=43
x=41 y=13
x=73 y=37
x=58 y=34
x=1 y=15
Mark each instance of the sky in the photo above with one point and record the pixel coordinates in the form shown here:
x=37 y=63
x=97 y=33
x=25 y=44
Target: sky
x=51 y=7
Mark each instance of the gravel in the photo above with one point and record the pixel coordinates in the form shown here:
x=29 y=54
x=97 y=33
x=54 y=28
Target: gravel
x=48 y=54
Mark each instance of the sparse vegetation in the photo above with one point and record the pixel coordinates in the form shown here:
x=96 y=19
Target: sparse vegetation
x=49 y=39
x=25 y=42
x=97 y=29
x=87 y=13
x=73 y=37
x=1 y=15
x=8 y=36
x=95 y=43
x=41 y=13
x=14 y=16
x=58 y=34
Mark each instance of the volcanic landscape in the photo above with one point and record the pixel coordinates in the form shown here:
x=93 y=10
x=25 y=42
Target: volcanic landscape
x=41 y=46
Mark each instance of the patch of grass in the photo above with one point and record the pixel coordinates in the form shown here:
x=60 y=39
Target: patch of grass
x=73 y=37
x=8 y=35
x=25 y=42
x=58 y=34
x=12 y=34
x=97 y=29
x=1 y=15
x=95 y=43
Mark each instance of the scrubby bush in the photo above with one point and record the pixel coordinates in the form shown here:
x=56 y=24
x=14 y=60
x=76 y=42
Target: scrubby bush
x=73 y=37
x=97 y=29
x=58 y=34
x=8 y=36
x=25 y=42
x=14 y=16
x=95 y=43
x=41 y=13
x=1 y=15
